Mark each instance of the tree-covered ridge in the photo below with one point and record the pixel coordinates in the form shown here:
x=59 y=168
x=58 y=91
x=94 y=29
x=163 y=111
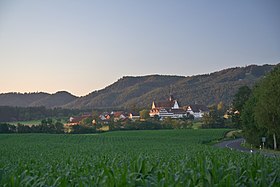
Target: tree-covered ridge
x=36 y=99
x=129 y=92
x=139 y=92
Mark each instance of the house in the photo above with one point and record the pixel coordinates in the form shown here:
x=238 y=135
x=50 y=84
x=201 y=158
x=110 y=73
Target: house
x=105 y=116
x=169 y=108
x=118 y=116
x=134 y=116
x=197 y=110
x=77 y=120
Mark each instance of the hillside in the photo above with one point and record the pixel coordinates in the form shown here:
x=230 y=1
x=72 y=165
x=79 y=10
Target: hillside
x=36 y=99
x=131 y=92
x=206 y=89
x=55 y=100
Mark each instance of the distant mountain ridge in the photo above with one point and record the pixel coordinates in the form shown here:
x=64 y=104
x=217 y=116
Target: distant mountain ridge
x=140 y=91
x=36 y=99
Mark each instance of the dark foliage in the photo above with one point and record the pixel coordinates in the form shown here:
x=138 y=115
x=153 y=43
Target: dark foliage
x=46 y=126
x=241 y=97
x=82 y=129
x=260 y=116
x=214 y=119
x=9 y=114
x=7 y=128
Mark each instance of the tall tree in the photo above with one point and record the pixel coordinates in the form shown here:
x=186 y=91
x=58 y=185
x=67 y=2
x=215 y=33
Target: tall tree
x=261 y=113
x=238 y=103
x=251 y=130
x=267 y=110
x=241 y=97
x=213 y=119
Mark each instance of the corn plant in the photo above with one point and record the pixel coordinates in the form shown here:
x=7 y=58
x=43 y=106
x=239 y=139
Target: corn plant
x=131 y=158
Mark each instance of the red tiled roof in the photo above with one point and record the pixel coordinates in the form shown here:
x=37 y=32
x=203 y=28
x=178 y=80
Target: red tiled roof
x=118 y=114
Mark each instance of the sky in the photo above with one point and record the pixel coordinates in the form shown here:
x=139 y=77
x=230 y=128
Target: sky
x=82 y=46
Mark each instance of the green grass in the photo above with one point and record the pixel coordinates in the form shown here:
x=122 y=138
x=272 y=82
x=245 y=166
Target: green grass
x=130 y=158
x=197 y=124
x=31 y=122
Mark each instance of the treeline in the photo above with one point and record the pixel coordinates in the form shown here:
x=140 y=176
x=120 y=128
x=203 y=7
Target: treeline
x=260 y=115
x=46 y=126
x=257 y=111
x=56 y=127
x=9 y=114
x=149 y=124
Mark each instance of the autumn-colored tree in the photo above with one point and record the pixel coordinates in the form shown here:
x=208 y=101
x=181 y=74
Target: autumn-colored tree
x=144 y=114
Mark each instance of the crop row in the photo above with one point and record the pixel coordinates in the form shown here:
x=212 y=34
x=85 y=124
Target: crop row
x=137 y=158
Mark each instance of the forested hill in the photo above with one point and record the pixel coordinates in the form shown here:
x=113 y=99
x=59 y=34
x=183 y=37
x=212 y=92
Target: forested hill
x=139 y=92
x=36 y=99
x=130 y=92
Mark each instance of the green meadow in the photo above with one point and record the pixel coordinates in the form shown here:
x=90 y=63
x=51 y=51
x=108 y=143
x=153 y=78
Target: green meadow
x=130 y=158
x=31 y=122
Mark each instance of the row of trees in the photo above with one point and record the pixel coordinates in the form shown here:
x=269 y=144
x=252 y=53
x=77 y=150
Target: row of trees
x=261 y=113
x=86 y=125
x=8 y=114
x=259 y=110
x=46 y=126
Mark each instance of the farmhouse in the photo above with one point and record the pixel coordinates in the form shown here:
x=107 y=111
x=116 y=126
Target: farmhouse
x=118 y=116
x=134 y=116
x=197 y=110
x=77 y=120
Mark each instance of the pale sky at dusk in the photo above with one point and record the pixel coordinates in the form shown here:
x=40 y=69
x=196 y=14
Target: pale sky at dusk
x=82 y=46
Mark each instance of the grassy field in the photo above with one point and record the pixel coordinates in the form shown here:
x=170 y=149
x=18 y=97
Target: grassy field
x=32 y=122
x=130 y=158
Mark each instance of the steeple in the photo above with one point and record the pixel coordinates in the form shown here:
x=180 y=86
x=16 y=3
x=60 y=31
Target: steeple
x=171 y=98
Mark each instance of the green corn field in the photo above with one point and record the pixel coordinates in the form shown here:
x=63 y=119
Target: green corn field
x=130 y=158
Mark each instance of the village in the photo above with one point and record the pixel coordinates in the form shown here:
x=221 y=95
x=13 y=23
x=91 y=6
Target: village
x=160 y=111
